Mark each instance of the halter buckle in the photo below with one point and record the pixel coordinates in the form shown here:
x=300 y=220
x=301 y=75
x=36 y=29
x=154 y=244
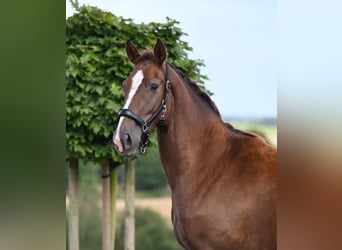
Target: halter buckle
x=162 y=117
x=168 y=85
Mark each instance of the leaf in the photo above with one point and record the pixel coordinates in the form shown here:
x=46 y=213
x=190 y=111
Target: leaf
x=113 y=106
x=99 y=89
x=96 y=129
x=79 y=149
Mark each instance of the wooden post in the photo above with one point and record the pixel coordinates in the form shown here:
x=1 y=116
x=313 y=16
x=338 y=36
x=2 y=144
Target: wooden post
x=113 y=184
x=106 y=235
x=73 y=225
x=129 y=205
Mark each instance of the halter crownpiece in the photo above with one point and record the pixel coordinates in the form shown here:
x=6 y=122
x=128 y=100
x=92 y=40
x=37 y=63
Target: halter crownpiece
x=146 y=124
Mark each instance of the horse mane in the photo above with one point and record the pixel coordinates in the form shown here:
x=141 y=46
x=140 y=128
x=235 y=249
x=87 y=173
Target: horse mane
x=148 y=56
x=198 y=91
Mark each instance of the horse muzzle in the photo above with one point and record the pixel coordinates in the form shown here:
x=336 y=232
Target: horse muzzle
x=126 y=142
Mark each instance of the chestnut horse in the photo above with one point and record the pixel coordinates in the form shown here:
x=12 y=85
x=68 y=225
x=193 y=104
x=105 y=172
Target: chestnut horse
x=223 y=181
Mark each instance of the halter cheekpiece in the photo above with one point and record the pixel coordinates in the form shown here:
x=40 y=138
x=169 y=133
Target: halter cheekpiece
x=146 y=124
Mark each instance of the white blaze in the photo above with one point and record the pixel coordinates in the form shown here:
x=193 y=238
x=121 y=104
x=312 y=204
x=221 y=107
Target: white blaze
x=136 y=82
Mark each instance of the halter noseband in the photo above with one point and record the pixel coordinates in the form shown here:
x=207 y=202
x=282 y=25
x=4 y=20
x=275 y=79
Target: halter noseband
x=146 y=124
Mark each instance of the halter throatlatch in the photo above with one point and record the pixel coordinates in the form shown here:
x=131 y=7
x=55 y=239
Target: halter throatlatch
x=146 y=124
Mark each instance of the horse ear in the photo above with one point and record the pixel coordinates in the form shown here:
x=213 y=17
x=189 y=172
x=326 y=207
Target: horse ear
x=160 y=51
x=132 y=52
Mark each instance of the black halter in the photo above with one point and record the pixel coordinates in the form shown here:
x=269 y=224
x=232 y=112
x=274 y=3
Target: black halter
x=146 y=124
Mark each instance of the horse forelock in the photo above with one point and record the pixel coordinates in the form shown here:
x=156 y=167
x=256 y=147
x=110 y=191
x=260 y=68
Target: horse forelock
x=146 y=56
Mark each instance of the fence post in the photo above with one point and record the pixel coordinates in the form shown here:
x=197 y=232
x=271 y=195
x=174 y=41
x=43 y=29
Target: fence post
x=73 y=215
x=113 y=184
x=106 y=221
x=129 y=205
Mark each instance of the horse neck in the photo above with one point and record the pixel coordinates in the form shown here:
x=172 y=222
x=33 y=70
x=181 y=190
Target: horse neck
x=191 y=133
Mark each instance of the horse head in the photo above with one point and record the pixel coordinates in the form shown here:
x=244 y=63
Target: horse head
x=146 y=90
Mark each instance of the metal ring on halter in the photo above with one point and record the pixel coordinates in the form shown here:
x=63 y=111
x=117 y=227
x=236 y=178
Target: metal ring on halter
x=144 y=143
x=144 y=128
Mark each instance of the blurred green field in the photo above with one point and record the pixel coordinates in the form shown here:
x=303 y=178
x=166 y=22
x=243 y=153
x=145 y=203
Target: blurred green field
x=266 y=127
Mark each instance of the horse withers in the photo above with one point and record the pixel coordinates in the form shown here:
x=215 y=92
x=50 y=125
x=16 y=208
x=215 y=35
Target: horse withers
x=223 y=181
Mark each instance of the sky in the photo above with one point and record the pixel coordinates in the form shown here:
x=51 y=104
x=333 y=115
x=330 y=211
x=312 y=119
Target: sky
x=235 y=39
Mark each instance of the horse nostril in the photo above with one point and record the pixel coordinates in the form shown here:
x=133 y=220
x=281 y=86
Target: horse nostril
x=127 y=141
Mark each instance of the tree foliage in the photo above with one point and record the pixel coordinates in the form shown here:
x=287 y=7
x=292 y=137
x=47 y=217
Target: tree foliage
x=96 y=64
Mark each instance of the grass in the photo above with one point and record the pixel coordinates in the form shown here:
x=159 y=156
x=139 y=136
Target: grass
x=155 y=193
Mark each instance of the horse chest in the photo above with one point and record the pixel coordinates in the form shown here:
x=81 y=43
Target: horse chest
x=187 y=228
x=199 y=227
x=208 y=225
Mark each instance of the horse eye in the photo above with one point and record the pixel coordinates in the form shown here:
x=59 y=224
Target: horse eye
x=154 y=87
